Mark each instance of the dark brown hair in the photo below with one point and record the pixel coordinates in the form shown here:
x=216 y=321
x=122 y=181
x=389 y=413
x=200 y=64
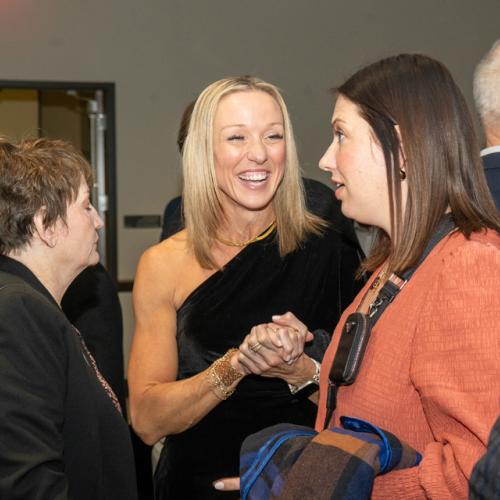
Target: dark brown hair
x=440 y=150
x=184 y=125
x=36 y=174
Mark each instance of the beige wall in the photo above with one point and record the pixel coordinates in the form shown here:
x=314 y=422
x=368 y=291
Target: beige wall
x=161 y=53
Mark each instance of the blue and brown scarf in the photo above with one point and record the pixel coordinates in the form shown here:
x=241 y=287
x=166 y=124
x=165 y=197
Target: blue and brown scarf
x=294 y=462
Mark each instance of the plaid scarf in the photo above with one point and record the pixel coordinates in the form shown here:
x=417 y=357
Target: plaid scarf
x=294 y=462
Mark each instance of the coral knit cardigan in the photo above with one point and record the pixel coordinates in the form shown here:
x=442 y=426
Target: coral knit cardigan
x=431 y=371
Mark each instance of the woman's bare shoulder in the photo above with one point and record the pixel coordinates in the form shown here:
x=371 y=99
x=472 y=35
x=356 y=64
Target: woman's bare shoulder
x=171 y=268
x=168 y=254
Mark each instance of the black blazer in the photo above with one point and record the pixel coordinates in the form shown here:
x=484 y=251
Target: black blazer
x=61 y=437
x=491 y=164
x=91 y=303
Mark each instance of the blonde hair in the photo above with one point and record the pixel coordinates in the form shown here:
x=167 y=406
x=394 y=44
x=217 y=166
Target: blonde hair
x=202 y=207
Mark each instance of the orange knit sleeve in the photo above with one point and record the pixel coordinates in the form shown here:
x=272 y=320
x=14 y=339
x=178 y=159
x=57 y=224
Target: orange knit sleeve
x=455 y=368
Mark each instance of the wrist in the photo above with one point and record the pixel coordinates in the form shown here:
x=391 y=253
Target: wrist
x=311 y=377
x=234 y=362
x=222 y=376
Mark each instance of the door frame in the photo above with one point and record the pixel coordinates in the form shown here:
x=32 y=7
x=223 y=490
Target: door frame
x=108 y=90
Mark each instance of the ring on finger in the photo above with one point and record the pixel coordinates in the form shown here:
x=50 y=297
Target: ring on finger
x=255 y=347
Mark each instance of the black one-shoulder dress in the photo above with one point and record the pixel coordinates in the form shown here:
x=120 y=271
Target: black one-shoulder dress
x=316 y=283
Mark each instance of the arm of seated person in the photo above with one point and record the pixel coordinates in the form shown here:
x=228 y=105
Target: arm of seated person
x=159 y=404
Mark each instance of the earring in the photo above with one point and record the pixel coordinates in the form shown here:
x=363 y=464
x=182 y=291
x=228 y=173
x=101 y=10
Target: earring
x=51 y=244
x=402 y=174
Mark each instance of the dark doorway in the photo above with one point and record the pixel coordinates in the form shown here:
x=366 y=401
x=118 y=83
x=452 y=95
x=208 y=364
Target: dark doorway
x=81 y=113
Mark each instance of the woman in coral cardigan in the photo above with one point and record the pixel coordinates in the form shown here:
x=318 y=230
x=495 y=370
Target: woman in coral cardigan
x=404 y=154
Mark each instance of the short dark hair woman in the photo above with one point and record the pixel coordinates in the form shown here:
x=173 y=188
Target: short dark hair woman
x=61 y=427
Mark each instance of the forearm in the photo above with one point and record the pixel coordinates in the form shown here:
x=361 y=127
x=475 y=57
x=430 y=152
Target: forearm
x=172 y=407
x=399 y=484
x=435 y=477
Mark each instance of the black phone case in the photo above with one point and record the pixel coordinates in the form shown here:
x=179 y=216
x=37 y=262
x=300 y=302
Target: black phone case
x=351 y=348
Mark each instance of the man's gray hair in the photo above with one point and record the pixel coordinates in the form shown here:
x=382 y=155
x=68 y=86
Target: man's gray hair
x=486 y=85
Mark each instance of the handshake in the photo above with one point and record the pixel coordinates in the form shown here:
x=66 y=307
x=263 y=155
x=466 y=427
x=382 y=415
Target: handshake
x=277 y=350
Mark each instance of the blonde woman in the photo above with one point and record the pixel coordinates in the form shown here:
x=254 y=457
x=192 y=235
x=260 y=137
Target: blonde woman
x=250 y=248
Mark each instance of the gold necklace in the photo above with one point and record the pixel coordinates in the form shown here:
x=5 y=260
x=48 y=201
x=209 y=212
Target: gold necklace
x=378 y=281
x=367 y=299
x=242 y=244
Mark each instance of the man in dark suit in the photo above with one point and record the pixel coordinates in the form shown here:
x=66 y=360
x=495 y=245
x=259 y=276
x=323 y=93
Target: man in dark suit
x=487 y=98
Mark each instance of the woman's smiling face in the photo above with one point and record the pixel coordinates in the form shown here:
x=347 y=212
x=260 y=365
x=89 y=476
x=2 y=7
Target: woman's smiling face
x=249 y=149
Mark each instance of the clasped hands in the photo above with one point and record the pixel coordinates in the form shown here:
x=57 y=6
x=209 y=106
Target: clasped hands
x=273 y=350
x=276 y=349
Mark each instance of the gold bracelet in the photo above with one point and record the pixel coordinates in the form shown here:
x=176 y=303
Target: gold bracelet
x=221 y=375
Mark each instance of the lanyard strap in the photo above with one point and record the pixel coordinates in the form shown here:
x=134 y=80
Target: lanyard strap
x=395 y=282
